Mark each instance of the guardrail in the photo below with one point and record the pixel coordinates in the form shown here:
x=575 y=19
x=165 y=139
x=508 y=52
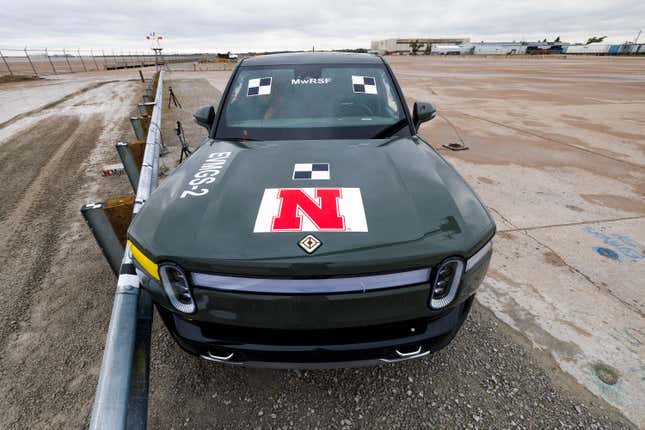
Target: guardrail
x=122 y=392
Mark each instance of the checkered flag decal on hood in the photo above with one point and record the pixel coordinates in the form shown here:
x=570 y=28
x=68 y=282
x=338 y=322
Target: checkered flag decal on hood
x=314 y=171
x=364 y=84
x=259 y=87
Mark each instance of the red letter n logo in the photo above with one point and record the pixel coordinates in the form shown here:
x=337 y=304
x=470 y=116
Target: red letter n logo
x=311 y=209
x=322 y=210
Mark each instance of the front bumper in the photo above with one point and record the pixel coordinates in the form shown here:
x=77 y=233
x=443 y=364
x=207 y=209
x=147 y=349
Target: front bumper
x=317 y=330
x=352 y=347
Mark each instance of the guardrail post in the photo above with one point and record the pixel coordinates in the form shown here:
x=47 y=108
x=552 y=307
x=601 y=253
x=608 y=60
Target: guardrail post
x=131 y=162
x=67 y=60
x=32 y=64
x=137 y=126
x=146 y=108
x=50 y=62
x=6 y=63
x=78 y=51
x=106 y=221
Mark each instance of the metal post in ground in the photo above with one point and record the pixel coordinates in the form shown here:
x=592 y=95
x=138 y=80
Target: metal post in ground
x=32 y=64
x=50 y=62
x=67 y=60
x=6 y=63
x=104 y=59
x=78 y=51
x=137 y=126
x=129 y=163
x=97 y=219
x=94 y=58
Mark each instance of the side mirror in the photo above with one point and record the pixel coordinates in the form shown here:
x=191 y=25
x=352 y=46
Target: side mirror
x=422 y=112
x=204 y=116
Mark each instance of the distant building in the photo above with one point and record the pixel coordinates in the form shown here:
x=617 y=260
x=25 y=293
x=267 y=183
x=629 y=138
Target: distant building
x=402 y=46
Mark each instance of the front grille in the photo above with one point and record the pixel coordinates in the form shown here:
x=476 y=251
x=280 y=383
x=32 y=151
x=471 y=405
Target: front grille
x=339 y=336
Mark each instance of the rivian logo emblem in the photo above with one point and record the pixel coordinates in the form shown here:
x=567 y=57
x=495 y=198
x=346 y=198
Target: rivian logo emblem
x=309 y=243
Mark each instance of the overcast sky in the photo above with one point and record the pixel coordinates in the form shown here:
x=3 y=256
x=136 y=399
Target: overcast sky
x=222 y=25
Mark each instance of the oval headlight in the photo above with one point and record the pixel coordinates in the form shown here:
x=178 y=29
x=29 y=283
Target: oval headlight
x=175 y=283
x=446 y=282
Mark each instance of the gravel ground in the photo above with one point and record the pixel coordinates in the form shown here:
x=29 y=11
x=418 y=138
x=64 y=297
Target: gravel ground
x=487 y=378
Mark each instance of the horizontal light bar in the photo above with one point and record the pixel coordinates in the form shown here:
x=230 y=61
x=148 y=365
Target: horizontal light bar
x=311 y=286
x=479 y=255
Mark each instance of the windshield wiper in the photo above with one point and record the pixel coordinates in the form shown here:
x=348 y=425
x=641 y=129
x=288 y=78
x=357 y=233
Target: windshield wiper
x=390 y=130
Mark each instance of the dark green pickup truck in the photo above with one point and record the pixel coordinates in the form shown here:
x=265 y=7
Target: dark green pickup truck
x=314 y=227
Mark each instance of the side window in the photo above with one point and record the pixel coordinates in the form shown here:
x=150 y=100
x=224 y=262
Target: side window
x=391 y=98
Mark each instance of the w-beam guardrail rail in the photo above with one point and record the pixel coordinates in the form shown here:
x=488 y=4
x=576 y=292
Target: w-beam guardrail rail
x=121 y=399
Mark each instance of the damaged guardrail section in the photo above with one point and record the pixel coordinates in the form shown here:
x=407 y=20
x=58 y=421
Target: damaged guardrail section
x=122 y=392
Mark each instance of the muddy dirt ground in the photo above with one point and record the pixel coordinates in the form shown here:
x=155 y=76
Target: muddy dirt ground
x=496 y=374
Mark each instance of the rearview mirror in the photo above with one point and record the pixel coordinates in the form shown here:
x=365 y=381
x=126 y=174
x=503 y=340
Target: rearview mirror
x=204 y=116
x=422 y=112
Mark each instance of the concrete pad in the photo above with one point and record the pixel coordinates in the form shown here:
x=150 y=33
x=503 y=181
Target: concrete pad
x=610 y=254
x=557 y=153
x=547 y=285
x=530 y=196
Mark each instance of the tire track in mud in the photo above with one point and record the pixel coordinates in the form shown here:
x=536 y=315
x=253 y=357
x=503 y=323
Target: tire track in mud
x=30 y=231
x=33 y=233
x=23 y=154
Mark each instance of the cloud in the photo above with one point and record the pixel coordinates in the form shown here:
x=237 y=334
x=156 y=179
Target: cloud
x=327 y=24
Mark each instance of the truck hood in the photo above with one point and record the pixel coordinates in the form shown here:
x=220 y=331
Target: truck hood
x=416 y=210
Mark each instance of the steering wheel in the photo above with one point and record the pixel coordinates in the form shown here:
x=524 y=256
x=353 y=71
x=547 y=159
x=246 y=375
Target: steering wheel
x=351 y=108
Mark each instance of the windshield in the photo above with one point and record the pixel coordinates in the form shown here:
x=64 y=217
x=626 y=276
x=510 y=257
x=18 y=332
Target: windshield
x=344 y=101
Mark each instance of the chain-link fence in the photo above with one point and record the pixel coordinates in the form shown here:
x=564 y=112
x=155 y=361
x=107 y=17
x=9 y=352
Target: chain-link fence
x=44 y=62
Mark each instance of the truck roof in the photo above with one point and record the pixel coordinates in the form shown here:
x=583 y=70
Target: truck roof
x=311 y=58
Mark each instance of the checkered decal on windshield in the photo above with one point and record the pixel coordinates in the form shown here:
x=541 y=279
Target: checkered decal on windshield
x=364 y=84
x=313 y=171
x=259 y=87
